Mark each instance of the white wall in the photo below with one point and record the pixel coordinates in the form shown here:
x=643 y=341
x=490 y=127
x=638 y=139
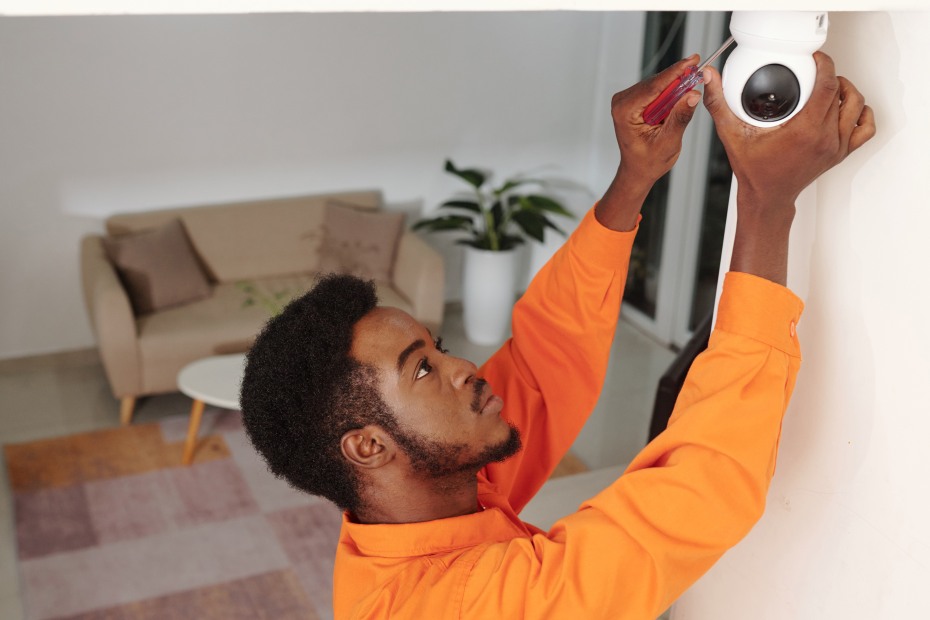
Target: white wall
x=845 y=533
x=106 y=114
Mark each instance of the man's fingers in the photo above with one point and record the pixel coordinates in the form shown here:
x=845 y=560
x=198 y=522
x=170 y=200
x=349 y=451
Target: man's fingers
x=825 y=90
x=683 y=111
x=856 y=120
x=714 y=100
x=657 y=83
x=832 y=118
x=865 y=129
x=850 y=103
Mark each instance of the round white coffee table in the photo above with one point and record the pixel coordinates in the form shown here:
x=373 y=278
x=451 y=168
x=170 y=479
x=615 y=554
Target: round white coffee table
x=210 y=381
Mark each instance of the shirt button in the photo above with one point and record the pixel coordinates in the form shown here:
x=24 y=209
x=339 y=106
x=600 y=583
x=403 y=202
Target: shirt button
x=791 y=329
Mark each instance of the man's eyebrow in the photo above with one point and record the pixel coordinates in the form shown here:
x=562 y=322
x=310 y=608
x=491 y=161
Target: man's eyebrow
x=402 y=358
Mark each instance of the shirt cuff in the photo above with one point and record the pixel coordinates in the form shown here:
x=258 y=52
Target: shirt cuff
x=760 y=309
x=600 y=244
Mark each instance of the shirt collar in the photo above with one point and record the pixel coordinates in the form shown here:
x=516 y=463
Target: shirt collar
x=441 y=535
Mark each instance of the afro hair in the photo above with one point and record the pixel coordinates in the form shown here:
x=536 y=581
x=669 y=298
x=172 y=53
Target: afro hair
x=302 y=391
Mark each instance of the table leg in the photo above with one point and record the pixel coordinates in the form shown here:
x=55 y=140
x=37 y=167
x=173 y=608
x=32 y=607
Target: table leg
x=126 y=405
x=192 y=429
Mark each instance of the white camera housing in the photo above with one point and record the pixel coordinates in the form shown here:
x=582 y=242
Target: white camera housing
x=770 y=74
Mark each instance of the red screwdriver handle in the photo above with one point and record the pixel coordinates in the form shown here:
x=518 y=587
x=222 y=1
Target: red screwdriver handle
x=651 y=109
x=656 y=111
x=659 y=109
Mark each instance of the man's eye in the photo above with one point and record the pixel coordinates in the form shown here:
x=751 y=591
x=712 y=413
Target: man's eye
x=439 y=348
x=423 y=369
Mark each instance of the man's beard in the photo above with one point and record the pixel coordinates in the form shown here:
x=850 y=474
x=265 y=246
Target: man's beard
x=439 y=459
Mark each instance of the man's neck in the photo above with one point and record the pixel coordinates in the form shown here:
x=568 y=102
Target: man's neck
x=413 y=500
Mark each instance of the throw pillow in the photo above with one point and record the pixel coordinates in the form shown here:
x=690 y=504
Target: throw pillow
x=360 y=243
x=158 y=267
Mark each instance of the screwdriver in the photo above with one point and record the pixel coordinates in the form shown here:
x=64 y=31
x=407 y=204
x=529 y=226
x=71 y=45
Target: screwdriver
x=656 y=111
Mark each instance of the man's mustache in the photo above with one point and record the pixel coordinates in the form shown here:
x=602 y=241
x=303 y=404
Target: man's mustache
x=478 y=386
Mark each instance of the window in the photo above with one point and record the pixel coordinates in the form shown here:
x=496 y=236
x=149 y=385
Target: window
x=676 y=255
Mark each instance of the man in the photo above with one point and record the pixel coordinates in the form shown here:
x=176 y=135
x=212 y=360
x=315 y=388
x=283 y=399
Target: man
x=432 y=459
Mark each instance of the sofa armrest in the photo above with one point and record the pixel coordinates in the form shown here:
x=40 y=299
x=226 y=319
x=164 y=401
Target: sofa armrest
x=111 y=318
x=419 y=275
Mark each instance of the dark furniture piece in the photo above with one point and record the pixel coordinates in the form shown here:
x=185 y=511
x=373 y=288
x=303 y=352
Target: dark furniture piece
x=671 y=382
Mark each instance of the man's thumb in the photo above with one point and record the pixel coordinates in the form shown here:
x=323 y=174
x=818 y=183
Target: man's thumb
x=713 y=96
x=684 y=109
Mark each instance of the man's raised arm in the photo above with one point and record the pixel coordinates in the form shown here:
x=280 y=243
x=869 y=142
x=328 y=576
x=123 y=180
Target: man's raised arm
x=698 y=488
x=551 y=372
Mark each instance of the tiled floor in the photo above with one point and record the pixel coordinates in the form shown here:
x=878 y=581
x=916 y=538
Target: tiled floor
x=60 y=395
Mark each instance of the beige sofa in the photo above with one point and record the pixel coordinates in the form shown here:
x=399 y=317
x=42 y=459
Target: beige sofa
x=273 y=245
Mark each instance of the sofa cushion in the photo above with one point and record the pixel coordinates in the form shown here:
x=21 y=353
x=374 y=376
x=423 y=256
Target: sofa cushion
x=359 y=243
x=158 y=267
x=252 y=239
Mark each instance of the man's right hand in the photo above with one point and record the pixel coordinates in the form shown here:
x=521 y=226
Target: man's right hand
x=646 y=151
x=775 y=164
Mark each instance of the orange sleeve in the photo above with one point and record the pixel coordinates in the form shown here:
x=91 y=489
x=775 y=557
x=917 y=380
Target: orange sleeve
x=551 y=371
x=691 y=494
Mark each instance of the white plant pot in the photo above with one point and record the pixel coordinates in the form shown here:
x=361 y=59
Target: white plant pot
x=488 y=290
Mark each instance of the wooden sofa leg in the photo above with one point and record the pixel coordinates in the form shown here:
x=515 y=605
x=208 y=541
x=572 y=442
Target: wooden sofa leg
x=126 y=407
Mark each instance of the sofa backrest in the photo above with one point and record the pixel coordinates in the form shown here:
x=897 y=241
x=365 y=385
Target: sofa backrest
x=254 y=239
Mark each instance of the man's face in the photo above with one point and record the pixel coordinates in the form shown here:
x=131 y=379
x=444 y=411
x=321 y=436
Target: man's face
x=450 y=421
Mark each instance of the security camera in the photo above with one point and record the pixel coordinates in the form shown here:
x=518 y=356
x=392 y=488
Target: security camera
x=770 y=75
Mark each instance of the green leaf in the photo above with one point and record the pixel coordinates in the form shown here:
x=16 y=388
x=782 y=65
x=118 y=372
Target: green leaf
x=533 y=224
x=446 y=222
x=509 y=185
x=482 y=242
x=545 y=203
x=497 y=213
x=550 y=224
x=508 y=242
x=471 y=176
x=462 y=204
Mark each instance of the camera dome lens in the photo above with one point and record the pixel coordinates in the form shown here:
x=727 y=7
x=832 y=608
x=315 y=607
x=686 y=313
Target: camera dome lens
x=771 y=93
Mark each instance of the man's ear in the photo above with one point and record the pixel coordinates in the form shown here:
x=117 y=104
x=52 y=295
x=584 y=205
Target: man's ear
x=369 y=447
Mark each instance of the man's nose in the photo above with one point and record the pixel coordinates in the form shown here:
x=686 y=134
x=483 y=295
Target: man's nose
x=463 y=372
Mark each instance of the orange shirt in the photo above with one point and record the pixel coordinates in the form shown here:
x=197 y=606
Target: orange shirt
x=631 y=550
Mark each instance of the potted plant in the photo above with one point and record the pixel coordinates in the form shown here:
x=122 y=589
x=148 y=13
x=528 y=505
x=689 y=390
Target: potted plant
x=496 y=220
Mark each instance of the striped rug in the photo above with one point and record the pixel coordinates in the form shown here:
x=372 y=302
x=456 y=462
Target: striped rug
x=110 y=525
